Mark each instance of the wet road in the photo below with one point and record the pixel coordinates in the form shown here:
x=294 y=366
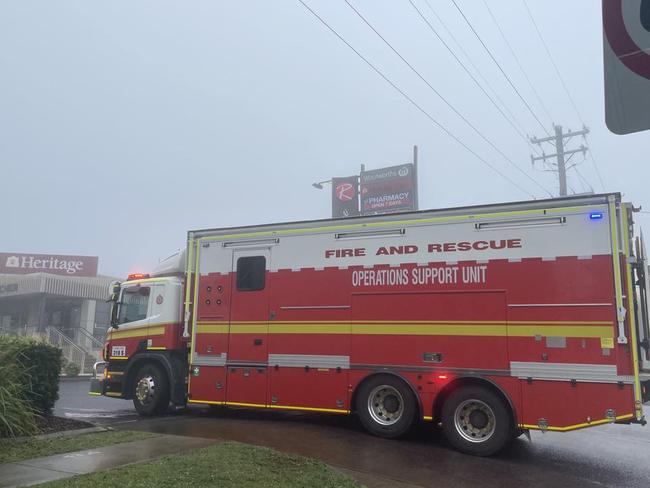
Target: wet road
x=611 y=455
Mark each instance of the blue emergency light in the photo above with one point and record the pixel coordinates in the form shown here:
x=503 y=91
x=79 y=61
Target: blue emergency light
x=596 y=215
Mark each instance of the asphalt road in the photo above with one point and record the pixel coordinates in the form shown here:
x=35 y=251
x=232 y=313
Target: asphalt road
x=610 y=455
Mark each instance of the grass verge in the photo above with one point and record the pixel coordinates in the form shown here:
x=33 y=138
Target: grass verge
x=17 y=450
x=228 y=464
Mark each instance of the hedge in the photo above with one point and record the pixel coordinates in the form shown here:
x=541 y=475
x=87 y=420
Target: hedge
x=32 y=372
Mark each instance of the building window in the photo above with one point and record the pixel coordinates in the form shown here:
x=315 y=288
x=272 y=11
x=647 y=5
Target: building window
x=251 y=273
x=134 y=304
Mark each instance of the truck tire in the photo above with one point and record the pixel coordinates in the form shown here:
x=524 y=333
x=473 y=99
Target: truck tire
x=150 y=390
x=476 y=421
x=386 y=406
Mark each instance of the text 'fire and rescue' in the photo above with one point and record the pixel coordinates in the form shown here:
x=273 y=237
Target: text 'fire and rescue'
x=431 y=248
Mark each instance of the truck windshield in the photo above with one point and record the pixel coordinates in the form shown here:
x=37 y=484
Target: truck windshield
x=134 y=304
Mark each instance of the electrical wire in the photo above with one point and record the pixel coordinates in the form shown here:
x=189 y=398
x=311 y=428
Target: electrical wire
x=469 y=73
x=439 y=95
x=593 y=161
x=505 y=75
x=516 y=58
x=550 y=57
x=478 y=71
x=410 y=100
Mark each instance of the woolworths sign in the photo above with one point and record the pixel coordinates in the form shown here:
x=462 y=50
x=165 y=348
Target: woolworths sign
x=20 y=263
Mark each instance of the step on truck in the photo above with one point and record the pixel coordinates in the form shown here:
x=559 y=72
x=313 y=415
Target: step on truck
x=488 y=320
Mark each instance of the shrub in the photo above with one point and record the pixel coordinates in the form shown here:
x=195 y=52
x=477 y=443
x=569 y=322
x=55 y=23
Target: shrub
x=17 y=415
x=71 y=369
x=42 y=363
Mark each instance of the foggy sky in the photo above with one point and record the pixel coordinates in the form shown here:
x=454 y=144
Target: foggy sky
x=124 y=124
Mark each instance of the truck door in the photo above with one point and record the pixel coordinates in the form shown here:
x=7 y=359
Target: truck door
x=248 y=328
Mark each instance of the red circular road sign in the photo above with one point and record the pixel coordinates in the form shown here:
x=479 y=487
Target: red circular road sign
x=345 y=192
x=626 y=49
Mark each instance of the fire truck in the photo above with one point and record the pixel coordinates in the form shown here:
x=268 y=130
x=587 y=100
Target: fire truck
x=489 y=320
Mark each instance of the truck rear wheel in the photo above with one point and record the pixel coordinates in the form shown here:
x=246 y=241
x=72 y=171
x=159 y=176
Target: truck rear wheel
x=476 y=421
x=150 y=390
x=386 y=406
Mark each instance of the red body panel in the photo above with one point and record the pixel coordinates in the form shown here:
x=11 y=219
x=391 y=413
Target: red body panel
x=515 y=298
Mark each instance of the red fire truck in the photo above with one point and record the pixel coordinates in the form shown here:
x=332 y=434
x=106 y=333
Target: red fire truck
x=490 y=320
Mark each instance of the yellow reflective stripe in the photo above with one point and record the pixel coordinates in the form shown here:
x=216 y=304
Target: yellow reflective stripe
x=192 y=245
x=94 y=393
x=430 y=329
x=113 y=394
x=576 y=426
x=140 y=331
x=253 y=405
x=426 y=418
x=156 y=348
x=207 y=402
x=616 y=258
x=212 y=328
x=371 y=225
x=632 y=318
x=582 y=329
x=119 y=357
x=243 y=328
x=561 y=331
x=309 y=409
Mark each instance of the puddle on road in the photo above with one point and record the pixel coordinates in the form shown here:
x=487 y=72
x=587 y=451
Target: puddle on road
x=87 y=413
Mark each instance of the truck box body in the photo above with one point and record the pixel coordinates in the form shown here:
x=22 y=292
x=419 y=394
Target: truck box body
x=522 y=295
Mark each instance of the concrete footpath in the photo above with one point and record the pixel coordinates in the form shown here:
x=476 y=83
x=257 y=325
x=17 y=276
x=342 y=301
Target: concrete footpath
x=39 y=470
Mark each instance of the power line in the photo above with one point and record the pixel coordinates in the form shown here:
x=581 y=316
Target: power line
x=411 y=101
x=478 y=71
x=516 y=58
x=500 y=68
x=585 y=183
x=550 y=57
x=469 y=73
x=593 y=161
x=439 y=95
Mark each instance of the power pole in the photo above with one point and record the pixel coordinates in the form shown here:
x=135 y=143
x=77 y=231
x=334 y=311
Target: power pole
x=560 y=152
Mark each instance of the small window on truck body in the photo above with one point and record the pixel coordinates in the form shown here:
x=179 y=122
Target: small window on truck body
x=251 y=273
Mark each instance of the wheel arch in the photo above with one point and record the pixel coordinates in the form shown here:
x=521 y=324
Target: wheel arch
x=374 y=374
x=481 y=381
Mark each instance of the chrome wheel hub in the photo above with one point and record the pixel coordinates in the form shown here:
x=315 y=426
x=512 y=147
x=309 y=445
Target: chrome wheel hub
x=145 y=389
x=385 y=405
x=474 y=420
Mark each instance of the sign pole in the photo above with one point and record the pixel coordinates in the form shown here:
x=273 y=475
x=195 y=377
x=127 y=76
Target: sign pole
x=416 y=203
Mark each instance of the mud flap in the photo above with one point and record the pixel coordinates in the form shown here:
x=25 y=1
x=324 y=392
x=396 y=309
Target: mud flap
x=645 y=391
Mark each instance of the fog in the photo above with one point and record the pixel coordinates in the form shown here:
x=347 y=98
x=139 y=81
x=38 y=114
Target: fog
x=125 y=124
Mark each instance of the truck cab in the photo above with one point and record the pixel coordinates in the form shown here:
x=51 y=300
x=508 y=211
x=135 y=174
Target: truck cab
x=145 y=353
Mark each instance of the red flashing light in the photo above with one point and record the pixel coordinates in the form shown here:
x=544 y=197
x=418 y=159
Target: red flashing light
x=137 y=276
x=442 y=376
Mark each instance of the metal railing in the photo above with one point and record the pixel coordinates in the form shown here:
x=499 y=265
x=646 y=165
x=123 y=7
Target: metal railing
x=71 y=351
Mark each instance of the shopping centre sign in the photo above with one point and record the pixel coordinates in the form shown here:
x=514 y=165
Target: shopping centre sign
x=20 y=263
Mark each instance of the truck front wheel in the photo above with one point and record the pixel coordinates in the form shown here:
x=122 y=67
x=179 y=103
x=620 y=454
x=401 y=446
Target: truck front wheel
x=476 y=421
x=150 y=390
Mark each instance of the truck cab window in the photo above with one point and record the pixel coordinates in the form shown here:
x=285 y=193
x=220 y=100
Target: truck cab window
x=134 y=304
x=251 y=273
